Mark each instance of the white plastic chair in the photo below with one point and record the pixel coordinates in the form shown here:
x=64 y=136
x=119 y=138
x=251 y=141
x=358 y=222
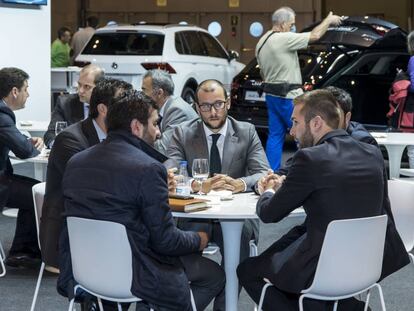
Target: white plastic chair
x=102 y=260
x=38 y=192
x=350 y=262
x=401 y=194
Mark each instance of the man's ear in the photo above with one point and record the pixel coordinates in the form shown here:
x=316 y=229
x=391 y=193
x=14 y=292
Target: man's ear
x=347 y=118
x=137 y=128
x=14 y=92
x=102 y=109
x=317 y=123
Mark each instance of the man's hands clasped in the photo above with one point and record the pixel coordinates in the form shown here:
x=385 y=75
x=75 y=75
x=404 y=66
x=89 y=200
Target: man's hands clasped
x=219 y=182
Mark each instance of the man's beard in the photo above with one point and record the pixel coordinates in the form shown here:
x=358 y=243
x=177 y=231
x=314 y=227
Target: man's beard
x=217 y=127
x=147 y=138
x=307 y=138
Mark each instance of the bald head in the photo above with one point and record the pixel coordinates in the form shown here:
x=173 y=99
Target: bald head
x=88 y=77
x=211 y=86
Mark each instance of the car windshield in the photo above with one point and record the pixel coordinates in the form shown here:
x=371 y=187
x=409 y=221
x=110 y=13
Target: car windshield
x=125 y=43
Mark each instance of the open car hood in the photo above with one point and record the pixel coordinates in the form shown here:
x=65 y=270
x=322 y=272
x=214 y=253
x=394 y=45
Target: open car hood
x=364 y=32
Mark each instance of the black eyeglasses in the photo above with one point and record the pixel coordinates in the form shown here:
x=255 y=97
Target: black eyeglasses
x=218 y=105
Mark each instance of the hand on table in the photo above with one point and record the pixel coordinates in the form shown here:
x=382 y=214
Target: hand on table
x=37 y=142
x=271 y=181
x=171 y=179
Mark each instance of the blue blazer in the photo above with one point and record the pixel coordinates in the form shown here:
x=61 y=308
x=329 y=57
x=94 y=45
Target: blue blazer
x=123 y=180
x=11 y=139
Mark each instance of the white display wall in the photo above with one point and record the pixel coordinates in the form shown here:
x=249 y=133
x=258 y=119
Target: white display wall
x=25 y=43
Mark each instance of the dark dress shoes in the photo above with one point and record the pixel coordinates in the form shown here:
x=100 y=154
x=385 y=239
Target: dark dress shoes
x=23 y=260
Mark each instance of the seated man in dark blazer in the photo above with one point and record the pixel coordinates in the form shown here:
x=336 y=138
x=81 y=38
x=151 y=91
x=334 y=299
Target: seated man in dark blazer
x=16 y=191
x=128 y=185
x=334 y=177
x=74 y=107
x=74 y=139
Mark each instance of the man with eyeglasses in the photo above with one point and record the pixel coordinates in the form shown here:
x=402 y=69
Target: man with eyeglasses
x=236 y=158
x=74 y=107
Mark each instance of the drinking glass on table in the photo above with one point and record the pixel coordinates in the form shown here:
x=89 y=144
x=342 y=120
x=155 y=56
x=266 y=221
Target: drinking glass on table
x=200 y=170
x=60 y=126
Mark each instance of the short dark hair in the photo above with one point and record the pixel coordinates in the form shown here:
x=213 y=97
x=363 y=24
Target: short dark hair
x=343 y=98
x=134 y=105
x=92 y=21
x=61 y=31
x=202 y=86
x=105 y=92
x=11 y=77
x=320 y=103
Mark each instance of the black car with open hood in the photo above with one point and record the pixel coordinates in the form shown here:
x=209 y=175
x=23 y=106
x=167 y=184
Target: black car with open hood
x=361 y=55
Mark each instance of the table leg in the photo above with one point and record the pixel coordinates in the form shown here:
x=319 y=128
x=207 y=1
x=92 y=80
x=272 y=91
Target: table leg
x=394 y=159
x=232 y=230
x=39 y=171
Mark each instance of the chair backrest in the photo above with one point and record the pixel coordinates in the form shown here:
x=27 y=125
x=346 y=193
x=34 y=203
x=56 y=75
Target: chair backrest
x=351 y=256
x=101 y=257
x=401 y=194
x=38 y=192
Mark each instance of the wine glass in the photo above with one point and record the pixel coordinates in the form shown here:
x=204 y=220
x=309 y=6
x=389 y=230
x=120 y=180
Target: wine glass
x=60 y=126
x=200 y=170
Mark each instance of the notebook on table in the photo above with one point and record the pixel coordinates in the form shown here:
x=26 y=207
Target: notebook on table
x=187 y=206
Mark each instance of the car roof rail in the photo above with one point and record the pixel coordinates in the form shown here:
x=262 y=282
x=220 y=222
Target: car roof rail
x=160 y=24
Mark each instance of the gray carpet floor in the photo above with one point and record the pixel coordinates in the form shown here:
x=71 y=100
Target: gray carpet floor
x=17 y=287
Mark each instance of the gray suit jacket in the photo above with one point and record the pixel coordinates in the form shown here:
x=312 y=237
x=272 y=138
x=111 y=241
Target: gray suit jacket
x=176 y=111
x=243 y=154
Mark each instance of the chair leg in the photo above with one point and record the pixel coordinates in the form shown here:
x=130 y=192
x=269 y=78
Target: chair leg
x=3 y=267
x=301 y=302
x=253 y=249
x=262 y=296
x=193 y=305
x=39 y=280
x=367 y=300
x=335 y=305
x=119 y=306
x=72 y=301
x=381 y=297
x=101 y=308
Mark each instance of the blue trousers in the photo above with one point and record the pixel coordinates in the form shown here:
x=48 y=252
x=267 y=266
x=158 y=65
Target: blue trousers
x=279 y=112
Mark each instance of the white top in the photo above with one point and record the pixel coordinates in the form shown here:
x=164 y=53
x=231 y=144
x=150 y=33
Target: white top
x=393 y=138
x=242 y=206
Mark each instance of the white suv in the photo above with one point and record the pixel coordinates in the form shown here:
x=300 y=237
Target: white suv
x=189 y=53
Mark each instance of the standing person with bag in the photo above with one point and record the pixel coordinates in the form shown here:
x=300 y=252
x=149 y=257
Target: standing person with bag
x=276 y=54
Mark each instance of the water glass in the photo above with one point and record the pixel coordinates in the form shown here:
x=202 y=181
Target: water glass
x=200 y=169
x=60 y=126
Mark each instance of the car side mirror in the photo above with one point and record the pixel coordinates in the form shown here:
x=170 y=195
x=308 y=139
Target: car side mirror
x=233 y=55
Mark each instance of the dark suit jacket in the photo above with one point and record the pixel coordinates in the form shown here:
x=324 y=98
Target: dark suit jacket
x=122 y=180
x=72 y=140
x=339 y=178
x=68 y=108
x=11 y=139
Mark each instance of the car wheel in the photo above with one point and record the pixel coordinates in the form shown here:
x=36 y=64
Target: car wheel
x=188 y=95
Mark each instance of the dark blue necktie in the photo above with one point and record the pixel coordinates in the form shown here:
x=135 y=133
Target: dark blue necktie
x=215 y=161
